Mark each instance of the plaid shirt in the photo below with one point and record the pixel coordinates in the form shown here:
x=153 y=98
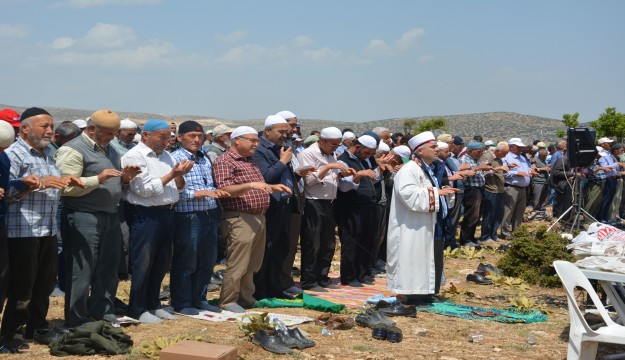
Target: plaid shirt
x=596 y=177
x=232 y=169
x=478 y=179
x=34 y=215
x=199 y=178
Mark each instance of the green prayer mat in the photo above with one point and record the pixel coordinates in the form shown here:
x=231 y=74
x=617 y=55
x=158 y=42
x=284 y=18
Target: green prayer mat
x=302 y=300
x=510 y=315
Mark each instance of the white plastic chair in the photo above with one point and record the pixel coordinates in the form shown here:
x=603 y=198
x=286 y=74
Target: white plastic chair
x=583 y=340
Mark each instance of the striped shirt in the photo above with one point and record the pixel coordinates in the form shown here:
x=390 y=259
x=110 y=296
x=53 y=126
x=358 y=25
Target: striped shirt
x=231 y=168
x=34 y=215
x=199 y=178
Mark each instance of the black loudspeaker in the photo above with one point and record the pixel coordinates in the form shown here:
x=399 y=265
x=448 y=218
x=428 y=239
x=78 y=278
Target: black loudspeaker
x=581 y=149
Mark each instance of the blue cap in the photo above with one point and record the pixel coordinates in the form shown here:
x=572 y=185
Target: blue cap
x=155 y=125
x=458 y=140
x=475 y=145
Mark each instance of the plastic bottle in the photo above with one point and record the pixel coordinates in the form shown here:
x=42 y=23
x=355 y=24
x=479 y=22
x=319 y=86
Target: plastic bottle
x=279 y=325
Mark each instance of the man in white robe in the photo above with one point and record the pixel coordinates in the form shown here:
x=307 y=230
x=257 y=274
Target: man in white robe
x=414 y=206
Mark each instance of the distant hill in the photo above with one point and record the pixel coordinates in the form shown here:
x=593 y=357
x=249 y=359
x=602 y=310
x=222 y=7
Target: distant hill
x=492 y=125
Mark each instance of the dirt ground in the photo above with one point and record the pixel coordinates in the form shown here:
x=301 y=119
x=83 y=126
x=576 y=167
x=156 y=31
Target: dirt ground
x=428 y=336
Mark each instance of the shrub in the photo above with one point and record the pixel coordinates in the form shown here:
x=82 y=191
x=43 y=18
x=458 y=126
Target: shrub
x=531 y=256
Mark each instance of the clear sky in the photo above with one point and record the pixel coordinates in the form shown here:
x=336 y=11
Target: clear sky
x=348 y=60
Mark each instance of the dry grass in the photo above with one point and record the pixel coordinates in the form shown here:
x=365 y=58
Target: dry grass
x=443 y=337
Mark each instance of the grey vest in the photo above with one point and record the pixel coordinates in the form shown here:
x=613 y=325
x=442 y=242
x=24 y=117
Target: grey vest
x=106 y=197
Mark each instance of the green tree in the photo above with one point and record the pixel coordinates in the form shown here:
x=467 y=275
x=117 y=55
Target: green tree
x=438 y=123
x=610 y=123
x=569 y=121
x=409 y=124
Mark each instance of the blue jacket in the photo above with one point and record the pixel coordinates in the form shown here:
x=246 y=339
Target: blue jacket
x=267 y=158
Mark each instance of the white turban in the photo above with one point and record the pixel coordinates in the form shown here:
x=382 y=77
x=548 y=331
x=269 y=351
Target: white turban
x=383 y=148
x=420 y=139
x=331 y=133
x=349 y=135
x=286 y=114
x=127 y=124
x=242 y=130
x=273 y=120
x=368 y=141
x=442 y=145
x=7 y=134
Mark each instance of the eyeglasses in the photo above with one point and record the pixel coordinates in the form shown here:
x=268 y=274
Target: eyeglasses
x=252 y=140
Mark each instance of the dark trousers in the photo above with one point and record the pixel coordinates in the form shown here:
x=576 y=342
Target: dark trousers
x=92 y=247
x=609 y=189
x=455 y=213
x=472 y=200
x=539 y=196
x=285 y=275
x=195 y=253
x=356 y=233
x=267 y=279
x=33 y=266
x=151 y=241
x=61 y=255
x=4 y=263
x=492 y=214
x=439 y=258
x=380 y=224
x=318 y=242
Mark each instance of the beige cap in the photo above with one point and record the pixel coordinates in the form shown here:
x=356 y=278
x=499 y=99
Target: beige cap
x=106 y=119
x=446 y=138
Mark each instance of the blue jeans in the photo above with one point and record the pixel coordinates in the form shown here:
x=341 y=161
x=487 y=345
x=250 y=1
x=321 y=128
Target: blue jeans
x=151 y=233
x=195 y=253
x=492 y=214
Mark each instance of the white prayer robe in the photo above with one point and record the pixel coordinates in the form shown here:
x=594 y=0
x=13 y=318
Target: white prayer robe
x=410 y=241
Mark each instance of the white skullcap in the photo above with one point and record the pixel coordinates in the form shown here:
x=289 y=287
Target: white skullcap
x=286 y=114
x=243 y=130
x=80 y=123
x=349 y=135
x=273 y=120
x=442 y=145
x=127 y=124
x=420 y=139
x=368 y=141
x=488 y=143
x=137 y=138
x=331 y=133
x=403 y=151
x=7 y=134
x=383 y=147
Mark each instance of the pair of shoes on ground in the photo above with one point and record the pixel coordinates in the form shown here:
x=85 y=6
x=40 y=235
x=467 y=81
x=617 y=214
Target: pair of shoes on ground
x=389 y=333
x=371 y=318
x=14 y=346
x=334 y=322
x=395 y=309
x=480 y=277
x=48 y=336
x=472 y=244
x=489 y=268
x=281 y=342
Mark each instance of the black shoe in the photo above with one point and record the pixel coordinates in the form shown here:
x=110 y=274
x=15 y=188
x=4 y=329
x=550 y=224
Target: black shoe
x=395 y=309
x=371 y=318
x=479 y=278
x=325 y=282
x=490 y=268
x=270 y=342
x=379 y=332
x=296 y=272
x=16 y=344
x=288 y=340
x=48 y=336
x=394 y=334
x=297 y=334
